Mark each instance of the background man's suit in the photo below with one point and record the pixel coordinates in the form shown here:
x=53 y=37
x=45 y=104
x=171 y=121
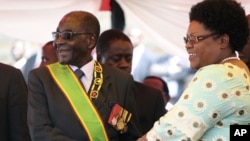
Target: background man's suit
x=13 y=105
x=150 y=104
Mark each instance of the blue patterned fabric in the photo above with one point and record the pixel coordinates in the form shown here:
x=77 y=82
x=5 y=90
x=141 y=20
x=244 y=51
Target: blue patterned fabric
x=216 y=97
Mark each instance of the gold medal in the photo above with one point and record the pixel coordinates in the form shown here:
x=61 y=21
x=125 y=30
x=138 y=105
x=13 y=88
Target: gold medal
x=120 y=124
x=94 y=94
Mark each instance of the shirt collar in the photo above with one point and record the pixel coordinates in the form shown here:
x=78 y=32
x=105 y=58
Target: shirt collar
x=87 y=69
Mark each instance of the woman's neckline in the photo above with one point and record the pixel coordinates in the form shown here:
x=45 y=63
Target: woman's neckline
x=230 y=58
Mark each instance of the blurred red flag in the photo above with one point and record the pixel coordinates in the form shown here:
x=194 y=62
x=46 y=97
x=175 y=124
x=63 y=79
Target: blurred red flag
x=105 y=5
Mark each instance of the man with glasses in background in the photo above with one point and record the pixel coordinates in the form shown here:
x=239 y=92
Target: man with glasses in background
x=96 y=103
x=115 y=49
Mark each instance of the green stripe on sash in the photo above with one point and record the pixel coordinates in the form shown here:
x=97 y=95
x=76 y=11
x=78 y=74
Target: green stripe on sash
x=78 y=99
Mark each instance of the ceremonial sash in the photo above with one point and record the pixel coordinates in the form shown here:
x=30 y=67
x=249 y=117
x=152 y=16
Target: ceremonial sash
x=79 y=100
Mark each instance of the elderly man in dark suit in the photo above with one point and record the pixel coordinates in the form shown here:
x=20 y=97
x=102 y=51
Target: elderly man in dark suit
x=115 y=49
x=99 y=105
x=13 y=105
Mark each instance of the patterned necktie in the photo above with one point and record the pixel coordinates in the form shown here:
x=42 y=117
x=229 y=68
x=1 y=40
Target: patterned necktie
x=79 y=73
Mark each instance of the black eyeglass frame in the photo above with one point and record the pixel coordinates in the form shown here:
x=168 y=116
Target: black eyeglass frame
x=195 y=39
x=66 y=35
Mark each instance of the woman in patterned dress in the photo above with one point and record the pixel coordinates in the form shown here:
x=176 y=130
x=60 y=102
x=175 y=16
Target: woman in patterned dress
x=218 y=95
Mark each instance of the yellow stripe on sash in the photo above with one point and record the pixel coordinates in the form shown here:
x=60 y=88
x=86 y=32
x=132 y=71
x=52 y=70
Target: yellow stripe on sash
x=78 y=99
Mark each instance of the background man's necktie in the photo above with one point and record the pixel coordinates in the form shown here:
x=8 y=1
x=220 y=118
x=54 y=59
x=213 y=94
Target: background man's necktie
x=79 y=73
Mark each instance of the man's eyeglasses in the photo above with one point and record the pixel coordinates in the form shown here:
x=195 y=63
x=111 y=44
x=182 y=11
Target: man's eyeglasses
x=195 y=39
x=66 y=35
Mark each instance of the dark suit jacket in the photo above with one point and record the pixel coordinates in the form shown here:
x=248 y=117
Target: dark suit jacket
x=150 y=104
x=52 y=118
x=13 y=105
